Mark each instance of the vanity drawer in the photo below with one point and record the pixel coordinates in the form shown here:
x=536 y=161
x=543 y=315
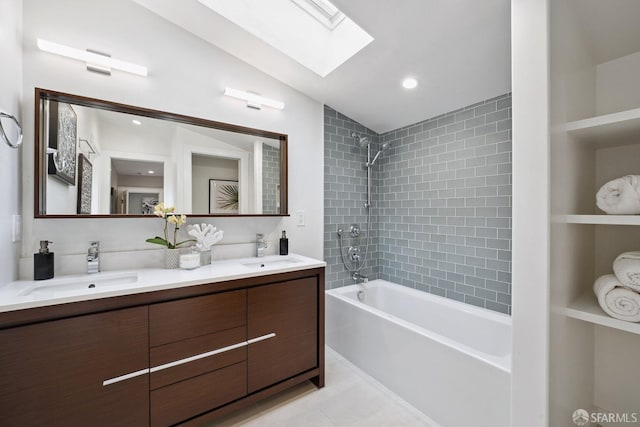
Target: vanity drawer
x=290 y=311
x=193 y=317
x=186 y=399
x=181 y=360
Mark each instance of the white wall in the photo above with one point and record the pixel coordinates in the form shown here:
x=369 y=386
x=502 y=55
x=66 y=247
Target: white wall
x=616 y=385
x=139 y=181
x=186 y=76
x=530 y=74
x=617 y=86
x=132 y=143
x=205 y=168
x=189 y=143
x=135 y=139
x=10 y=159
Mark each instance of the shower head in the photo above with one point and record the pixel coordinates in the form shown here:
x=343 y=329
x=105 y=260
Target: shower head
x=382 y=149
x=362 y=140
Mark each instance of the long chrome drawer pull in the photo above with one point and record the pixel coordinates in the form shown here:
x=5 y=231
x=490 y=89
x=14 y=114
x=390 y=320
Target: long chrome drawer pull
x=262 y=338
x=210 y=353
x=125 y=377
x=197 y=357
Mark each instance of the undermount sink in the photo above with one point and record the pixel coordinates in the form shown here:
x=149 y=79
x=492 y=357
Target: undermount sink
x=81 y=284
x=271 y=263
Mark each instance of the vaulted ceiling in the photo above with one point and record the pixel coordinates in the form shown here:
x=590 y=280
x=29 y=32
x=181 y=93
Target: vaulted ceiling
x=459 y=50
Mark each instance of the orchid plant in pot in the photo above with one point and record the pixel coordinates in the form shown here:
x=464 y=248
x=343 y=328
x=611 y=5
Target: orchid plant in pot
x=172 y=253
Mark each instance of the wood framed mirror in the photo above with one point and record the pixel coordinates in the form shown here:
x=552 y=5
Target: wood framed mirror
x=101 y=159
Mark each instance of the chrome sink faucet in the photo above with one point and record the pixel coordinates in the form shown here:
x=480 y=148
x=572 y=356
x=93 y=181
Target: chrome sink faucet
x=261 y=245
x=93 y=258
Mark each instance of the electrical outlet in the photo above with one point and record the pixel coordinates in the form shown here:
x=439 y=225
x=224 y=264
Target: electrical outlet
x=299 y=218
x=16 y=230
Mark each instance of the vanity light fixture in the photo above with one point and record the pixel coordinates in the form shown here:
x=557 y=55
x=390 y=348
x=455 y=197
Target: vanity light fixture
x=96 y=61
x=136 y=122
x=151 y=172
x=409 y=83
x=253 y=100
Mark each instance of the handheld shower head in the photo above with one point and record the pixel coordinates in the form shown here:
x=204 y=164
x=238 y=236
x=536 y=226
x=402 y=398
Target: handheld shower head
x=382 y=149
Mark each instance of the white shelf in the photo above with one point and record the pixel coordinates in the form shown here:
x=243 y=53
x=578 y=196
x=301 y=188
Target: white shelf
x=597 y=219
x=586 y=308
x=609 y=130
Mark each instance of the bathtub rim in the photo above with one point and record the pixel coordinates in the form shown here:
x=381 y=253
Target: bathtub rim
x=500 y=362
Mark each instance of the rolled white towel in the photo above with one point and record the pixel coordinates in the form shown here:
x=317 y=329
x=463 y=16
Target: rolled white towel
x=627 y=269
x=617 y=301
x=620 y=196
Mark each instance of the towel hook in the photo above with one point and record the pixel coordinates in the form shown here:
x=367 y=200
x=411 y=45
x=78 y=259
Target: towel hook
x=13 y=144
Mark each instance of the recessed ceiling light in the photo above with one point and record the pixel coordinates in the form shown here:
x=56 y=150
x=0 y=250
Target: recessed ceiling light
x=409 y=83
x=151 y=172
x=136 y=122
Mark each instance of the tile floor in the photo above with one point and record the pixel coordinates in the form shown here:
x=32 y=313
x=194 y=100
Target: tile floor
x=350 y=398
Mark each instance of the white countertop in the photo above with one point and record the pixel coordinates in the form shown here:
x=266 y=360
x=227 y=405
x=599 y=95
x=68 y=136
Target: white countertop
x=26 y=294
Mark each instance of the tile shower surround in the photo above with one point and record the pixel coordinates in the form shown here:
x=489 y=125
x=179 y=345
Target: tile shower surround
x=345 y=192
x=270 y=178
x=442 y=202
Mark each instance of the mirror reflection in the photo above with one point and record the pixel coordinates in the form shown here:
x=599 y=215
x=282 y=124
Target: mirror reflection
x=136 y=186
x=102 y=162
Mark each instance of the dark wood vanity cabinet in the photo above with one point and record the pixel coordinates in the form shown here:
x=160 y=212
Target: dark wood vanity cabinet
x=261 y=336
x=183 y=356
x=198 y=355
x=57 y=373
x=289 y=310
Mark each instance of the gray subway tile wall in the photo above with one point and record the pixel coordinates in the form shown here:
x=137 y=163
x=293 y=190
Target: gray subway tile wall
x=270 y=179
x=445 y=215
x=442 y=203
x=345 y=189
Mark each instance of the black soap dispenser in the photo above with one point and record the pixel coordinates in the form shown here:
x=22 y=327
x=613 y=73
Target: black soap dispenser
x=284 y=244
x=43 y=262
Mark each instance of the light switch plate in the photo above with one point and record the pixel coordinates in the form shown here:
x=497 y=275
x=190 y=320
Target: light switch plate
x=16 y=233
x=299 y=218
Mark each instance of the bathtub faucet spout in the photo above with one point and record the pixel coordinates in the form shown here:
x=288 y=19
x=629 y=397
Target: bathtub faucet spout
x=357 y=277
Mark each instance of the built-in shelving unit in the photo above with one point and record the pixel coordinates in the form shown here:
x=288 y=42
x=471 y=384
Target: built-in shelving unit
x=596 y=82
x=608 y=130
x=597 y=219
x=586 y=308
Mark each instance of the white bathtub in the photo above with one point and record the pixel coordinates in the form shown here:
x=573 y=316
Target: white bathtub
x=450 y=360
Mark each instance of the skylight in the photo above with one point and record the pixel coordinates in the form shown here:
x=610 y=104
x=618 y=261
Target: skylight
x=312 y=32
x=322 y=10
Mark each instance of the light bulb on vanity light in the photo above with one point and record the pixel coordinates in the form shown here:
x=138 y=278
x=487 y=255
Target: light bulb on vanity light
x=95 y=61
x=253 y=99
